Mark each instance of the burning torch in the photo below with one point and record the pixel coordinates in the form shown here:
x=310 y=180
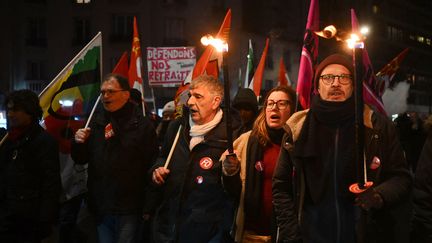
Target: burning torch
x=222 y=46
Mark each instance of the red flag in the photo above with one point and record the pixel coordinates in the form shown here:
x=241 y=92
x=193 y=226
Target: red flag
x=386 y=74
x=135 y=68
x=208 y=63
x=256 y=82
x=122 y=66
x=370 y=94
x=309 y=56
x=283 y=75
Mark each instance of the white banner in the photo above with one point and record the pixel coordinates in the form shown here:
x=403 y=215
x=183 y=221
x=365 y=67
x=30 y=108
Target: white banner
x=169 y=66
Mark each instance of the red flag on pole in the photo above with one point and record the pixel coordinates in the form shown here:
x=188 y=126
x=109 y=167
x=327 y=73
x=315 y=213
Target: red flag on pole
x=308 y=56
x=283 y=75
x=207 y=64
x=371 y=94
x=386 y=74
x=122 y=66
x=256 y=82
x=135 y=68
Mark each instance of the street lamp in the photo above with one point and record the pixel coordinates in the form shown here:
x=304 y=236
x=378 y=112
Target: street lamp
x=222 y=46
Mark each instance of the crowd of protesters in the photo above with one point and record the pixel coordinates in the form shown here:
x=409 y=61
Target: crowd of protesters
x=289 y=179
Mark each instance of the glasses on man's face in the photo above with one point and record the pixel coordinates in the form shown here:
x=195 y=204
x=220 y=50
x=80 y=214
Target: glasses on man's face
x=110 y=91
x=280 y=104
x=328 y=79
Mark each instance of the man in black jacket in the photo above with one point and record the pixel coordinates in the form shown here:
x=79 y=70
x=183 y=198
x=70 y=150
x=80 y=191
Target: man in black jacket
x=119 y=147
x=29 y=173
x=198 y=200
x=318 y=159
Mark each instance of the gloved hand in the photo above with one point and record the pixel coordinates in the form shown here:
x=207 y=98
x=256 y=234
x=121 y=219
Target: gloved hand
x=369 y=199
x=231 y=164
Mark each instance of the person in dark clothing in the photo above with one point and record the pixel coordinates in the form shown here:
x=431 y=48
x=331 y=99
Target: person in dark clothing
x=119 y=147
x=29 y=172
x=257 y=152
x=412 y=136
x=167 y=116
x=422 y=193
x=198 y=200
x=316 y=166
x=245 y=102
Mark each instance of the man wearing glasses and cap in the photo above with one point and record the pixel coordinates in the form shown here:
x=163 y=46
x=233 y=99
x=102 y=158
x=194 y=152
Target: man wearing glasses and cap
x=119 y=147
x=316 y=166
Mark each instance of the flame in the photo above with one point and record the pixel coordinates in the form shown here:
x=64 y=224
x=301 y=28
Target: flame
x=354 y=42
x=218 y=44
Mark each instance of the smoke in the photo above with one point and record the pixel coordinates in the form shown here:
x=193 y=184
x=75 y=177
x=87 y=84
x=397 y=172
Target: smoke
x=395 y=100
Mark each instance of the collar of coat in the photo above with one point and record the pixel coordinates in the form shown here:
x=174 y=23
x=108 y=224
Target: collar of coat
x=295 y=122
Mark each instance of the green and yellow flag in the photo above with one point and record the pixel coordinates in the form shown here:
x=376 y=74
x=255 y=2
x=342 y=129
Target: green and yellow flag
x=67 y=102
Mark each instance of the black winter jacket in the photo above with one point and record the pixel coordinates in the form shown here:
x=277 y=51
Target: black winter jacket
x=198 y=203
x=117 y=171
x=391 y=179
x=29 y=181
x=422 y=194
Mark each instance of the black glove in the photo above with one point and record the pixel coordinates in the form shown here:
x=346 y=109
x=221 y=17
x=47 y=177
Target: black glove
x=369 y=199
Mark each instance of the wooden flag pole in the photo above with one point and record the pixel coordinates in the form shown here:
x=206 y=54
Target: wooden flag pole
x=92 y=111
x=167 y=162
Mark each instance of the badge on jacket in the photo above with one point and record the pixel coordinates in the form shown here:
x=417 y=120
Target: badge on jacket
x=206 y=163
x=376 y=162
x=109 y=131
x=259 y=166
x=199 y=179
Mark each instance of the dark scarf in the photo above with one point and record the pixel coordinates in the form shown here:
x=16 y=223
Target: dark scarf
x=315 y=145
x=254 y=178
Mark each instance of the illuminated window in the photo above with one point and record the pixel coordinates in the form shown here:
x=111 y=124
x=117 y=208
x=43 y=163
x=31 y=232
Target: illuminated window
x=420 y=39
x=82 y=1
x=428 y=41
x=375 y=9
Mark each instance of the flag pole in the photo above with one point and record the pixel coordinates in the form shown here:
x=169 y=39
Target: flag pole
x=4 y=139
x=167 y=162
x=92 y=112
x=72 y=61
x=227 y=114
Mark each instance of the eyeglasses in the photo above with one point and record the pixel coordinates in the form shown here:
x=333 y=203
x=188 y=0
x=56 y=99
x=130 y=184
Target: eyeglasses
x=280 y=104
x=110 y=91
x=328 y=79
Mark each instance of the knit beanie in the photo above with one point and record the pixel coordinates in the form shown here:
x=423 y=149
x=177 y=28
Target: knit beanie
x=333 y=59
x=245 y=99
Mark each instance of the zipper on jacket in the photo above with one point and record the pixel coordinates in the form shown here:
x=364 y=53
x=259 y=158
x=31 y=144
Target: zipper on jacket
x=336 y=151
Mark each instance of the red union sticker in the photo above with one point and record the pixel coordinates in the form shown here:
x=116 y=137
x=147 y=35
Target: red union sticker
x=109 y=132
x=206 y=163
x=199 y=179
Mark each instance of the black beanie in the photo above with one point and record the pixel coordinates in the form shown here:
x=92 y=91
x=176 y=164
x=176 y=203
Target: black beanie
x=333 y=59
x=245 y=99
